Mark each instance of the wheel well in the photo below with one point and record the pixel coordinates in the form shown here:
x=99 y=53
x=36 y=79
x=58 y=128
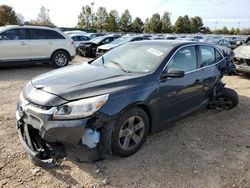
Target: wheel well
x=146 y=109
x=60 y=50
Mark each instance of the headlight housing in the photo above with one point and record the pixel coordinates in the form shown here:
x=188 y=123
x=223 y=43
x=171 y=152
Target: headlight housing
x=81 y=108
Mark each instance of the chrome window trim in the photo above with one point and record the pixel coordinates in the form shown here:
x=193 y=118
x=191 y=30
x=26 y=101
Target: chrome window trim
x=195 y=44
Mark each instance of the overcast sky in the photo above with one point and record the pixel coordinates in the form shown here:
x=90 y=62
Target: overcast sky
x=231 y=13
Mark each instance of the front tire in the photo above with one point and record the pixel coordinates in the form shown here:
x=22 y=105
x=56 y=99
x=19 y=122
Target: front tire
x=130 y=132
x=59 y=59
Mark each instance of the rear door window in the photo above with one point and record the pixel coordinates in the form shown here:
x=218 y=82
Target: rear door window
x=43 y=34
x=53 y=35
x=207 y=55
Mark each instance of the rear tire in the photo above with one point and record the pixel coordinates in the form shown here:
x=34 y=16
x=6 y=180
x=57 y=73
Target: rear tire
x=227 y=100
x=59 y=59
x=130 y=132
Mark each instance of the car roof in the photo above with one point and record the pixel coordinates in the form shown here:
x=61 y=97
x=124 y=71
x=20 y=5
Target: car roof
x=172 y=43
x=28 y=27
x=169 y=42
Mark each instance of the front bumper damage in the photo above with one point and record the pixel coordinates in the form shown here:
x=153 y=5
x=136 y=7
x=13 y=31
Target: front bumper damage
x=242 y=65
x=46 y=140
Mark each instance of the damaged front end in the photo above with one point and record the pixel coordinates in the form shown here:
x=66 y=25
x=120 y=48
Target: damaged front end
x=242 y=58
x=47 y=140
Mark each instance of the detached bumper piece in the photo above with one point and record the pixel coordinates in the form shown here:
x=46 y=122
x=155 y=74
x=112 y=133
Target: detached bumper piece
x=41 y=152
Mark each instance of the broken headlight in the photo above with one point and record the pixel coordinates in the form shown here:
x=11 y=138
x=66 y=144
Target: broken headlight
x=81 y=108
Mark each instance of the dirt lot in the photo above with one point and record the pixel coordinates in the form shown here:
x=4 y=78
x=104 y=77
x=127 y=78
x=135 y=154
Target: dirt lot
x=207 y=149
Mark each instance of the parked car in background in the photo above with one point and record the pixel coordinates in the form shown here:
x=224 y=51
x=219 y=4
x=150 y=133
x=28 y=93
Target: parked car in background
x=187 y=38
x=222 y=42
x=88 y=49
x=163 y=37
x=170 y=37
x=199 y=38
x=112 y=103
x=122 y=40
x=157 y=37
x=94 y=35
x=79 y=38
x=227 y=43
x=75 y=32
x=242 y=57
x=236 y=40
x=22 y=44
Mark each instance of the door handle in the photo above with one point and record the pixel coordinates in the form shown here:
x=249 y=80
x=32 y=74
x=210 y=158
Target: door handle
x=50 y=43
x=197 y=82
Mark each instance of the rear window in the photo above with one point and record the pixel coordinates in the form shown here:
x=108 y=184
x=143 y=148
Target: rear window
x=39 y=34
x=209 y=55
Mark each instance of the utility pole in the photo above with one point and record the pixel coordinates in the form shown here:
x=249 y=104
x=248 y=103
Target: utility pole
x=92 y=14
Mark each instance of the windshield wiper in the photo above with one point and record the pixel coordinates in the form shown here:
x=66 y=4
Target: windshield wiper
x=120 y=66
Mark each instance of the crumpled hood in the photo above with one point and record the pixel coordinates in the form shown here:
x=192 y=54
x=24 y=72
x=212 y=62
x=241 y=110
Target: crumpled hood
x=242 y=52
x=82 y=81
x=86 y=43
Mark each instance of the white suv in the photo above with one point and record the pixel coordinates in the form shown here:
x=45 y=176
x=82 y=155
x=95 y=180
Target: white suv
x=22 y=44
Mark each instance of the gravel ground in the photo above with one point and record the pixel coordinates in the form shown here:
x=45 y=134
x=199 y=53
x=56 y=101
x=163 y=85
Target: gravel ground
x=207 y=149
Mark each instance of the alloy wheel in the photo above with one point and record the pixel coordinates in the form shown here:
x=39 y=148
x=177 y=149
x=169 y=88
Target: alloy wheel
x=223 y=103
x=131 y=133
x=61 y=60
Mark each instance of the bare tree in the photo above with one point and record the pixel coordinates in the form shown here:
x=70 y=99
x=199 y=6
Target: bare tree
x=20 y=18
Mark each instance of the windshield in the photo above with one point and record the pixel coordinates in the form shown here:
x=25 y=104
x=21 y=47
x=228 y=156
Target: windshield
x=122 y=40
x=97 y=39
x=138 y=57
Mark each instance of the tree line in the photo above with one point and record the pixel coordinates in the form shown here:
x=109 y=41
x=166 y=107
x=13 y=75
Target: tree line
x=111 y=21
x=103 y=20
x=9 y=17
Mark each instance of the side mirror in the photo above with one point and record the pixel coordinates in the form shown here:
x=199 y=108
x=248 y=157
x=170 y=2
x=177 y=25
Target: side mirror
x=172 y=73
